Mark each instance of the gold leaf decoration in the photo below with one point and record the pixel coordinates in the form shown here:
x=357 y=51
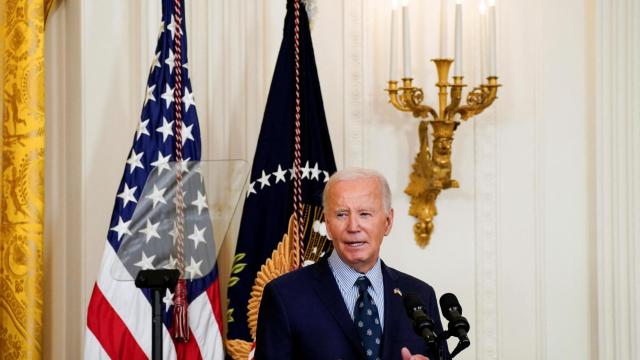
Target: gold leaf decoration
x=233 y=280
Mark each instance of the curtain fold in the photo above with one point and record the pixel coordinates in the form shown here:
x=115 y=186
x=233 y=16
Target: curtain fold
x=22 y=26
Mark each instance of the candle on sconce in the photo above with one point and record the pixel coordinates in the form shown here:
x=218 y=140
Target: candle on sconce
x=457 y=65
x=406 y=40
x=394 y=37
x=443 y=29
x=492 y=37
x=483 y=39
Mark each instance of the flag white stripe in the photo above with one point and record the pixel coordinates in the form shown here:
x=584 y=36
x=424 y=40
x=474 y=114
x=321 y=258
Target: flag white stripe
x=129 y=303
x=204 y=327
x=126 y=300
x=168 y=349
x=93 y=349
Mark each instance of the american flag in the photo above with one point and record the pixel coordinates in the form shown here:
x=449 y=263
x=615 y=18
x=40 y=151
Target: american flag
x=142 y=230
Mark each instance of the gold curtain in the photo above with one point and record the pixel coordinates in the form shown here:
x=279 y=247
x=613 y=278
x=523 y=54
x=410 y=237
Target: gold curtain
x=22 y=24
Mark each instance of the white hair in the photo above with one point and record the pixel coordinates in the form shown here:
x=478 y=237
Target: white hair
x=356 y=173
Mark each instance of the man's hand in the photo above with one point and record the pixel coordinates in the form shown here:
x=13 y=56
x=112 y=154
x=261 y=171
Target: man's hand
x=406 y=355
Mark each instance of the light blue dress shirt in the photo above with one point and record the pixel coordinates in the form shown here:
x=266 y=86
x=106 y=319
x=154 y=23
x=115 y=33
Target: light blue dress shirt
x=346 y=278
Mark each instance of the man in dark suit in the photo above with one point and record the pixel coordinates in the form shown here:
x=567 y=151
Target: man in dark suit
x=349 y=304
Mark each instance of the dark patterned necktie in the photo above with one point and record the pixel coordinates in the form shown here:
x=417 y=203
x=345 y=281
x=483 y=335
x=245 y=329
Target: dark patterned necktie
x=367 y=320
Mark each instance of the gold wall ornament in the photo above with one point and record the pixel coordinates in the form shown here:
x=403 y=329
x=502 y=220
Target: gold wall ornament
x=432 y=165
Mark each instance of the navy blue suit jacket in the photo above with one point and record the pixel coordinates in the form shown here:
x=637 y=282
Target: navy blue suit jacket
x=303 y=316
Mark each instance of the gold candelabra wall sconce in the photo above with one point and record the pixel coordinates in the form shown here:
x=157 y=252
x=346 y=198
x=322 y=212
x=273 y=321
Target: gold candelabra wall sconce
x=432 y=165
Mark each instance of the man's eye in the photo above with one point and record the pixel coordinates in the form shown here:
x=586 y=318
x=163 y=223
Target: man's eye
x=365 y=214
x=341 y=215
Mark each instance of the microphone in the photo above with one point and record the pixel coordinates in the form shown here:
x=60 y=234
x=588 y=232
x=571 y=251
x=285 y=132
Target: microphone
x=458 y=326
x=422 y=323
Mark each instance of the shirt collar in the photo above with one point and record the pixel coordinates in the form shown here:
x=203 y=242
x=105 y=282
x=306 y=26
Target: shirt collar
x=346 y=276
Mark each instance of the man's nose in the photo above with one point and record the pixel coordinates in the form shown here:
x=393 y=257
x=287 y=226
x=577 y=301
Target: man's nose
x=353 y=225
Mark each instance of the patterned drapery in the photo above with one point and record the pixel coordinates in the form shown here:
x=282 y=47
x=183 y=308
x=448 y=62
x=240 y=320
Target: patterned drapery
x=22 y=24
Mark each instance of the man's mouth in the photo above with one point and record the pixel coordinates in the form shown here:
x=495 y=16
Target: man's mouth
x=355 y=244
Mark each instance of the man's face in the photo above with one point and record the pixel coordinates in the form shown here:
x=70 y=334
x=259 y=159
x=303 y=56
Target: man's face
x=356 y=221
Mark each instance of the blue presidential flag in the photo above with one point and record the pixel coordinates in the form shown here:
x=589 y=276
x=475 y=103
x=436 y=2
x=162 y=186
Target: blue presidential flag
x=269 y=196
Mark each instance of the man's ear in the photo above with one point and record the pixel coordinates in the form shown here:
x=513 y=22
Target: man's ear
x=326 y=227
x=329 y=236
x=389 y=224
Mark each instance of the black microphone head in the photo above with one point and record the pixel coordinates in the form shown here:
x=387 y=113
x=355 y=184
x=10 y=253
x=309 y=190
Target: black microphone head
x=422 y=323
x=412 y=303
x=449 y=305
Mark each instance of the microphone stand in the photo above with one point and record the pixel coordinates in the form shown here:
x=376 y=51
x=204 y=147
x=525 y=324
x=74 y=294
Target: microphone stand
x=157 y=281
x=435 y=345
x=462 y=344
x=442 y=338
x=438 y=345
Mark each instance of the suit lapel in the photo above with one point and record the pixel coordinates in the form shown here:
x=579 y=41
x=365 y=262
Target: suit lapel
x=392 y=313
x=328 y=291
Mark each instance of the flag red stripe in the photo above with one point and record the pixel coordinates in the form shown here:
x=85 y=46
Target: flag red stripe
x=189 y=350
x=213 y=292
x=109 y=329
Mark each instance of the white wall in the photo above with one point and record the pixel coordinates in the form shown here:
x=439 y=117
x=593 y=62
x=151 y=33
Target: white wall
x=517 y=242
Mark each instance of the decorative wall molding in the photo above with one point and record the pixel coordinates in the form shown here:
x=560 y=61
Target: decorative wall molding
x=539 y=203
x=354 y=92
x=486 y=238
x=618 y=173
x=486 y=210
